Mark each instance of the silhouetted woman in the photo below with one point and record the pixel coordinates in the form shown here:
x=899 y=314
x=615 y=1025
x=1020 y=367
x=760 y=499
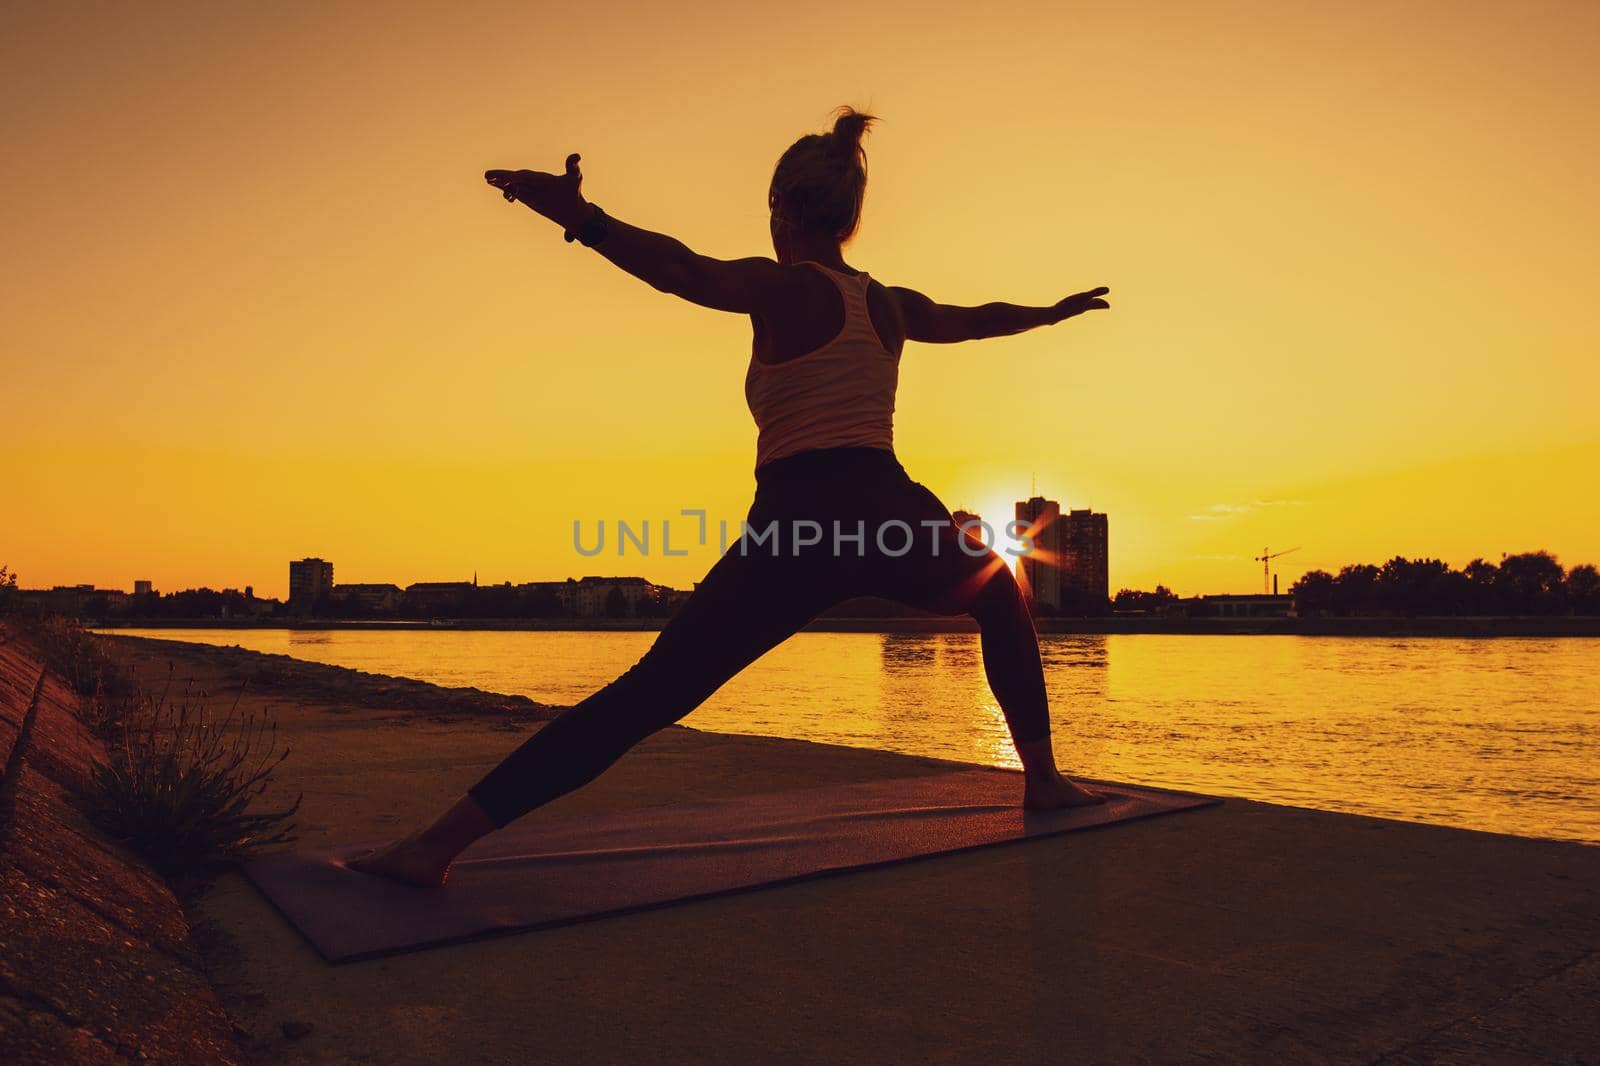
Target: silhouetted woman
x=834 y=515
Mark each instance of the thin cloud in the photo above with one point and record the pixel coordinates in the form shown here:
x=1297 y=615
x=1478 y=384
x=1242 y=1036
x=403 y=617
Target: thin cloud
x=1219 y=512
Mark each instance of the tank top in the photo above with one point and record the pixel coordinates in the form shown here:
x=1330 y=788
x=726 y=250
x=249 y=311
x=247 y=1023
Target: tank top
x=836 y=396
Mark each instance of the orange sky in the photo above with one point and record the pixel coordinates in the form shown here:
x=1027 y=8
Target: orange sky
x=256 y=302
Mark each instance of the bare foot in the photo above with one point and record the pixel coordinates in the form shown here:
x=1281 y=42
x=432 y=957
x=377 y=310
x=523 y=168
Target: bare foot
x=1056 y=792
x=406 y=861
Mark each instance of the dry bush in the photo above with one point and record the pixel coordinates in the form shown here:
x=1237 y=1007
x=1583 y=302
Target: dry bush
x=181 y=786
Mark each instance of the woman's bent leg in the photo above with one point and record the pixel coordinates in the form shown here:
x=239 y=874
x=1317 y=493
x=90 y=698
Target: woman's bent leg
x=1016 y=677
x=956 y=577
x=1011 y=659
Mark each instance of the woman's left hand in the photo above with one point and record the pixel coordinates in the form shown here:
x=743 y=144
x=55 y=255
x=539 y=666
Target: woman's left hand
x=1078 y=303
x=555 y=196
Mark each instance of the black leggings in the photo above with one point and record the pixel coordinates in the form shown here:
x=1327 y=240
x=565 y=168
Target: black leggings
x=762 y=591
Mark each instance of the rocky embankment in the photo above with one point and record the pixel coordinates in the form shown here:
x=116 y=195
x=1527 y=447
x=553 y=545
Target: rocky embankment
x=96 y=963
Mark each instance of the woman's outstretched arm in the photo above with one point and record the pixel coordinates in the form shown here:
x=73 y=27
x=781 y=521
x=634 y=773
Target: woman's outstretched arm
x=937 y=323
x=743 y=286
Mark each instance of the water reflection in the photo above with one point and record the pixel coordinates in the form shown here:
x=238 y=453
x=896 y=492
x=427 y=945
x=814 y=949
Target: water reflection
x=966 y=721
x=1077 y=670
x=906 y=651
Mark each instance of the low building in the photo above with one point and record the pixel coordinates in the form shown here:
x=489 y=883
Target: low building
x=76 y=601
x=369 y=597
x=564 y=594
x=671 y=599
x=425 y=597
x=1248 y=605
x=256 y=607
x=610 y=597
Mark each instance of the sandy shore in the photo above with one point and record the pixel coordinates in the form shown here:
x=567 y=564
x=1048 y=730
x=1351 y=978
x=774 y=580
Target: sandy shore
x=1245 y=932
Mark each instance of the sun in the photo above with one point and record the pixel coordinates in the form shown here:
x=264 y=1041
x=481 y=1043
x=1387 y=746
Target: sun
x=998 y=508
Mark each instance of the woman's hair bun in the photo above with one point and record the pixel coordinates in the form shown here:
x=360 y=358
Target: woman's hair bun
x=848 y=127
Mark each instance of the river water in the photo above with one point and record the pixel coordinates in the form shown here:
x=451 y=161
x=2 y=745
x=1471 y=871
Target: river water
x=1499 y=734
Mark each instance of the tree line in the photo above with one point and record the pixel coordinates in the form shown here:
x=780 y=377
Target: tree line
x=1529 y=583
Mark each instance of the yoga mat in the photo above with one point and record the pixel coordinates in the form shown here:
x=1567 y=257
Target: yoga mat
x=542 y=872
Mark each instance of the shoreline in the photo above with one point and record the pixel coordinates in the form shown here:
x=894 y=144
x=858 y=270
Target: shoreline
x=1448 y=627
x=279 y=675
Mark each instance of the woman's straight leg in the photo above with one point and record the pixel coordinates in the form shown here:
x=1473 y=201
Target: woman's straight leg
x=746 y=605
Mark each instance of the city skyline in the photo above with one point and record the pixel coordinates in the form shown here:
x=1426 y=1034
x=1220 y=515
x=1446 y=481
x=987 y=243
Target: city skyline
x=1046 y=528
x=1536 y=573
x=313 y=576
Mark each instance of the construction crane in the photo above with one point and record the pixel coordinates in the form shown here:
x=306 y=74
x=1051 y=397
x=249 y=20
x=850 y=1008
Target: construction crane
x=1265 y=559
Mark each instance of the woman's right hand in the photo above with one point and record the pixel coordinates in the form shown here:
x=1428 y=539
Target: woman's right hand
x=555 y=196
x=1078 y=303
